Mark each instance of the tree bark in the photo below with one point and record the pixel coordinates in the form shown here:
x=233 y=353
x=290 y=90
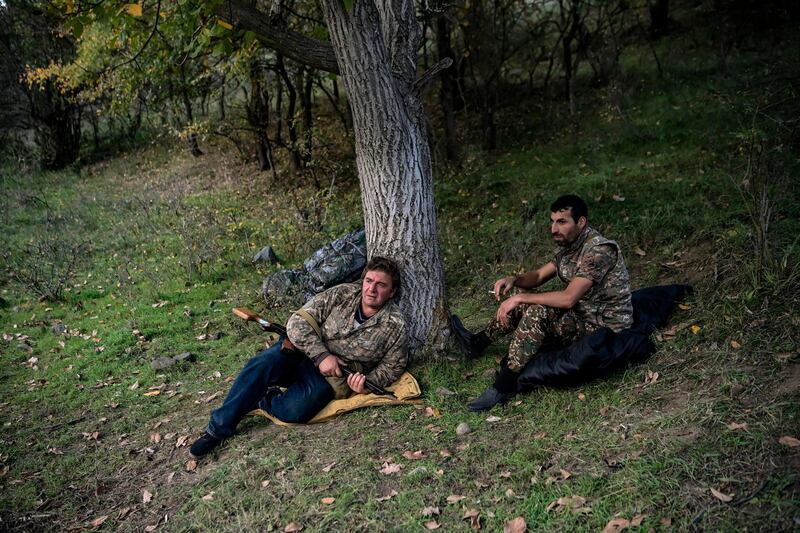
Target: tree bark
x=376 y=49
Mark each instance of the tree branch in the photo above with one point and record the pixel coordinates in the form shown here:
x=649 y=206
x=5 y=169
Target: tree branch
x=306 y=50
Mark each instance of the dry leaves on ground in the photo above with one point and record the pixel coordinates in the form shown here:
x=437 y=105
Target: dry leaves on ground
x=792 y=442
x=455 y=498
x=327 y=468
x=147 y=496
x=576 y=504
x=414 y=456
x=291 y=527
x=724 y=498
x=390 y=468
x=431 y=511
x=328 y=500
x=517 y=525
x=432 y=524
x=474 y=518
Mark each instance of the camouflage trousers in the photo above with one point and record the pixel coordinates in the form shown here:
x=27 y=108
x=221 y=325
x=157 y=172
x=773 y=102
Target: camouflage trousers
x=532 y=325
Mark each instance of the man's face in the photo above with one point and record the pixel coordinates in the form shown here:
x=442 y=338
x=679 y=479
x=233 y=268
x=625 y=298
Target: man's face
x=376 y=290
x=563 y=227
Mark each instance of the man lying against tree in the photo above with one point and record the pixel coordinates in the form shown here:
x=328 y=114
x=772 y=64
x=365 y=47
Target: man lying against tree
x=356 y=325
x=597 y=295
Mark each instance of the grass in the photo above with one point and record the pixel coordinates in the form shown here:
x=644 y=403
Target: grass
x=171 y=240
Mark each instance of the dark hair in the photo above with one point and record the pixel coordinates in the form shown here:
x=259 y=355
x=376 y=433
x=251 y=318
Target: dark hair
x=384 y=264
x=574 y=203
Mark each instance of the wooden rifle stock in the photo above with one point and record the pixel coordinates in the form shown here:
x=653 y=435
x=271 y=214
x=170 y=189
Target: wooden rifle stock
x=266 y=325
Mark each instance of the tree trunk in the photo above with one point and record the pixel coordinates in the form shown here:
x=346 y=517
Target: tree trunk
x=294 y=148
x=392 y=154
x=447 y=91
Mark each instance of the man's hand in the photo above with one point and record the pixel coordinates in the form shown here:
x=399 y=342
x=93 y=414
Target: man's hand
x=329 y=367
x=502 y=286
x=356 y=382
x=505 y=308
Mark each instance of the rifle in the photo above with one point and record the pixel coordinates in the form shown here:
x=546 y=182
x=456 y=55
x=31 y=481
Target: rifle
x=266 y=325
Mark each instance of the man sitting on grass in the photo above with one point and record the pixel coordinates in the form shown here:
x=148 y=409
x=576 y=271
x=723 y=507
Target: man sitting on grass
x=356 y=325
x=597 y=295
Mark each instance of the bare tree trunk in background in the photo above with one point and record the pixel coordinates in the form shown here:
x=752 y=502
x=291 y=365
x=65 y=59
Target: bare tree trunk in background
x=447 y=90
x=187 y=108
x=392 y=153
x=294 y=148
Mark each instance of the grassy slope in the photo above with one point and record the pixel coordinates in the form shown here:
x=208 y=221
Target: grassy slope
x=629 y=449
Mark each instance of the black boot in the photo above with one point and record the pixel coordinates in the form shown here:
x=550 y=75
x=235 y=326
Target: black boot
x=472 y=344
x=504 y=388
x=204 y=445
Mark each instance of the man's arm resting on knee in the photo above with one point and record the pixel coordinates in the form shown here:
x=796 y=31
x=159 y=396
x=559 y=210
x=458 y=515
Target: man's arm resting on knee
x=528 y=280
x=565 y=299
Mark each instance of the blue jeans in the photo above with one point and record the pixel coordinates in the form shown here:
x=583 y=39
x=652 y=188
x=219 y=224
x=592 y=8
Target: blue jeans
x=307 y=391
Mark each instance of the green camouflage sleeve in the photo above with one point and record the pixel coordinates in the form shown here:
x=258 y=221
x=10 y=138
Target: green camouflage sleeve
x=596 y=263
x=300 y=331
x=393 y=363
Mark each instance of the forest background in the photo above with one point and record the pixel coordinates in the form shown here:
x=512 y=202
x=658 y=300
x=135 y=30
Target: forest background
x=149 y=150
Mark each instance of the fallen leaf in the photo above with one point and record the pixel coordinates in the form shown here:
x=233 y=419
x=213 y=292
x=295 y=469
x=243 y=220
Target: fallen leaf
x=735 y=425
x=455 y=498
x=123 y=513
x=387 y=495
x=97 y=522
x=618 y=198
x=505 y=473
x=191 y=465
x=146 y=496
x=695 y=329
x=565 y=474
x=509 y=493
x=576 y=504
x=150 y=528
x=493 y=419
x=152 y=393
x=212 y=397
x=637 y=520
x=735 y=345
x=328 y=500
x=291 y=527
x=638 y=251
x=616 y=524
x=327 y=468
x=390 y=468
x=181 y=441
x=155 y=438
x=432 y=524
x=432 y=411
x=208 y=497
x=539 y=435
x=445 y=453
x=724 y=498
x=685 y=307
x=265 y=484
x=666 y=521
x=134 y=386
x=414 y=456
x=431 y=511
x=792 y=442
x=474 y=518
x=581 y=396
x=516 y=525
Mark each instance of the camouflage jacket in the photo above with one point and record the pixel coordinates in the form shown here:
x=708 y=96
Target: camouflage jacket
x=592 y=256
x=376 y=348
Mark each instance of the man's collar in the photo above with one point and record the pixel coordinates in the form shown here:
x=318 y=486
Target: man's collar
x=578 y=243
